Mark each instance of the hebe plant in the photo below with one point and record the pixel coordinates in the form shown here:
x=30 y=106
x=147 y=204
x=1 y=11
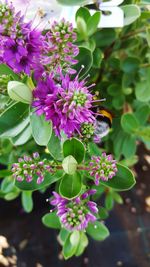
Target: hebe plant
x=48 y=122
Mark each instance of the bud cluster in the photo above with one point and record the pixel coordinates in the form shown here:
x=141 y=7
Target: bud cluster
x=103 y=167
x=60 y=48
x=28 y=168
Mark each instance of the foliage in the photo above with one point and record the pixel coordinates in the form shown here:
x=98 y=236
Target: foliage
x=118 y=61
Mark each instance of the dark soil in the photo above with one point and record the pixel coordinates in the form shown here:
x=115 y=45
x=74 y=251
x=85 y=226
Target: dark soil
x=129 y=224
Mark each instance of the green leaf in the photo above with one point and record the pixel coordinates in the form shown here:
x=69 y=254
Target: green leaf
x=11 y=196
x=75 y=148
x=54 y=147
x=129 y=146
x=5 y=70
x=142 y=114
x=4 y=173
x=103 y=213
x=72 y=2
x=85 y=58
x=70 y=185
x=32 y=186
x=97 y=58
x=144 y=133
x=82 y=28
x=27 y=201
x=132 y=13
x=7 y=184
x=124 y=179
x=97 y=231
x=12 y=117
x=142 y=91
x=104 y=37
x=92 y=23
x=84 y=13
x=51 y=220
x=114 y=89
x=83 y=242
x=22 y=137
x=71 y=244
x=69 y=165
x=19 y=91
x=129 y=123
x=130 y=64
x=63 y=235
x=117 y=198
x=41 y=129
x=109 y=201
x=17 y=129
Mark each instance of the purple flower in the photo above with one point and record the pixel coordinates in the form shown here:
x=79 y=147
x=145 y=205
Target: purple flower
x=66 y=103
x=77 y=213
x=21 y=45
x=103 y=167
x=29 y=168
x=59 y=50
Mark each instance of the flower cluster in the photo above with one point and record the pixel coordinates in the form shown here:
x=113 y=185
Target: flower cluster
x=31 y=167
x=59 y=47
x=76 y=213
x=103 y=167
x=20 y=44
x=66 y=103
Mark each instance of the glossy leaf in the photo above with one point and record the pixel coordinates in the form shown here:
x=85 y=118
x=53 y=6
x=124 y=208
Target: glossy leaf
x=93 y=22
x=54 y=147
x=12 y=117
x=75 y=148
x=132 y=13
x=97 y=231
x=124 y=179
x=41 y=129
x=83 y=242
x=27 y=201
x=71 y=244
x=70 y=185
x=51 y=220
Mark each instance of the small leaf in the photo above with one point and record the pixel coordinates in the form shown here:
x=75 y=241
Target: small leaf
x=69 y=165
x=51 y=220
x=109 y=202
x=71 y=244
x=84 y=13
x=54 y=147
x=19 y=91
x=93 y=22
x=70 y=185
x=132 y=13
x=97 y=231
x=129 y=146
x=75 y=148
x=129 y=123
x=41 y=129
x=97 y=58
x=103 y=213
x=82 y=27
x=83 y=242
x=27 y=201
x=124 y=179
x=142 y=91
x=130 y=64
x=63 y=235
x=117 y=198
